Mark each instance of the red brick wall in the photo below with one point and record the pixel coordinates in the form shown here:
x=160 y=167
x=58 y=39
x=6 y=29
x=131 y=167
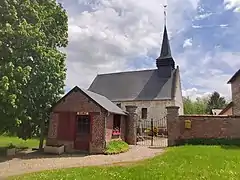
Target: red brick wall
x=109 y=127
x=76 y=102
x=97 y=143
x=209 y=127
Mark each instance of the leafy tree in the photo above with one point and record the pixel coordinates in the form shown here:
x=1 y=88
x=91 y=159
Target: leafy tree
x=215 y=102
x=195 y=107
x=32 y=69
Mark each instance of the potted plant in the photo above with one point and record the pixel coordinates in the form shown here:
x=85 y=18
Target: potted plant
x=11 y=150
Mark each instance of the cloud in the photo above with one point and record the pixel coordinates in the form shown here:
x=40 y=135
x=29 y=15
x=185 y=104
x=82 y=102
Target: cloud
x=106 y=36
x=232 y=4
x=194 y=93
x=112 y=36
x=187 y=43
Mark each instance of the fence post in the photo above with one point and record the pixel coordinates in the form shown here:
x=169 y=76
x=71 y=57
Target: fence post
x=152 y=132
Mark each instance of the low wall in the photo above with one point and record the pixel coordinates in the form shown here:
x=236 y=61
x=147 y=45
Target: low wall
x=207 y=126
x=201 y=127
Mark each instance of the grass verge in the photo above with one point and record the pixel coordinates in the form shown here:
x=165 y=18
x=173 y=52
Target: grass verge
x=178 y=163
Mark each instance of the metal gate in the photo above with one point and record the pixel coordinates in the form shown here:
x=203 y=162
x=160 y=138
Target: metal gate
x=152 y=132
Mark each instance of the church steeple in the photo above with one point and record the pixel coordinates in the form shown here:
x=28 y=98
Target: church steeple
x=165 y=58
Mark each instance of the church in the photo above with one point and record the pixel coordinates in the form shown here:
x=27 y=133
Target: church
x=86 y=120
x=150 y=90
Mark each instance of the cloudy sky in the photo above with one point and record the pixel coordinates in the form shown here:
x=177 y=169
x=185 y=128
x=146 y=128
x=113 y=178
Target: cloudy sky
x=121 y=35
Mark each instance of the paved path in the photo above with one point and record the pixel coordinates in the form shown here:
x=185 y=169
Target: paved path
x=32 y=163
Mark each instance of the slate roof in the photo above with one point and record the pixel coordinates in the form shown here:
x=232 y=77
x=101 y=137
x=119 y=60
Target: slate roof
x=98 y=99
x=104 y=102
x=135 y=85
x=165 y=50
x=234 y=76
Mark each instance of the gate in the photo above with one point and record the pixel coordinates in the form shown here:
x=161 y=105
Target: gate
x=152 y=132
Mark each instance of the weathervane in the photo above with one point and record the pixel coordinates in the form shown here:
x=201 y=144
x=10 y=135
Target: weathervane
x=165 y=14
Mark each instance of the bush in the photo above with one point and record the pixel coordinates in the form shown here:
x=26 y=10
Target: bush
x=116 y=147
x=211 y=141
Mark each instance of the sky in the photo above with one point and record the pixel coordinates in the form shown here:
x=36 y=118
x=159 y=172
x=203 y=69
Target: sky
x=108 y=36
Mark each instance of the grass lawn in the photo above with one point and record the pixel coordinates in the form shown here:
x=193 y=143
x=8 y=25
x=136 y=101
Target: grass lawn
x=6 y=140
x=178 y=163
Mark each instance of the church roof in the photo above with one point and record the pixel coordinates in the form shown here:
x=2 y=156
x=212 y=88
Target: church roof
x=165 y=49
x=135 y=85
x=98 y=99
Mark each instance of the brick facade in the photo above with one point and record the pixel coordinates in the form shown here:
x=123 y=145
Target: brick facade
x=97 y=142
x=210 y=127
x=202 y=126
x=109 y=127
x=62 y=126
x=236 y=95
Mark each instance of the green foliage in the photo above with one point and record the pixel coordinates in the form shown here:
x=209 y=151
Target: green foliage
x=195 y=107
x=5 y=141
x=178 y=163
x=116 y=147
x=155 y=131
x=32 y=69
x=211 y=141
x=215 y=102
x=10 y=146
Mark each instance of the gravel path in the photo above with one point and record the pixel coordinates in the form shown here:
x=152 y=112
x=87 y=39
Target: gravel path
x=32 y=163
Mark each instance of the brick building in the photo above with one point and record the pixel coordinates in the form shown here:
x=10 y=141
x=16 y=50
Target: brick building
x=86 y=121
x=235 y=87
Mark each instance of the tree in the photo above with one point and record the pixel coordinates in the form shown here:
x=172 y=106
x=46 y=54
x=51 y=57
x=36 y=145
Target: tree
x=195 y=107
x=215 y=102
x=32 y=68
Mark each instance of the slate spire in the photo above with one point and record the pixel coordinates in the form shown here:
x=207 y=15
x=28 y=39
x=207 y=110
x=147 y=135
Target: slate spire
x=165 y=58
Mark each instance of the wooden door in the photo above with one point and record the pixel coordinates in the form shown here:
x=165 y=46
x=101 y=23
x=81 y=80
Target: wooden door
x=83 y=133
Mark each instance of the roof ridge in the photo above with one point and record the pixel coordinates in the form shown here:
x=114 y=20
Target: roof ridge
x=123 y=72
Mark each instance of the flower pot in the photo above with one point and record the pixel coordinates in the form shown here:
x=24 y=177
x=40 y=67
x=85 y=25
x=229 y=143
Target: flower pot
x=11 y=152
x=54 y=149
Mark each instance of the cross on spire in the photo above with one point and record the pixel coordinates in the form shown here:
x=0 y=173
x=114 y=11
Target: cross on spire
x=165 y=57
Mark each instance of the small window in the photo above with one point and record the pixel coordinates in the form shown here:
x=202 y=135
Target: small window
x=144 y=113
x=119 y=105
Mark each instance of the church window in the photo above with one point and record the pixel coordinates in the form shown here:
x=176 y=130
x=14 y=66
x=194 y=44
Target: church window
x=144 y=113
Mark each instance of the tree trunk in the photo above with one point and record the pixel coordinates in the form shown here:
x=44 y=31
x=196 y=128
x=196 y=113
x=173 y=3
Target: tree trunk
x=42 y=129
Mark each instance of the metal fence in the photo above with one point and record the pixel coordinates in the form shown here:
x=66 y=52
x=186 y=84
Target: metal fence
x=152 y=132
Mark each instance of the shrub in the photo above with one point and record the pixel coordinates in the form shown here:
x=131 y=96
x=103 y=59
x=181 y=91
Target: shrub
x=116 y=147
x=10 y=146
x=210 y=141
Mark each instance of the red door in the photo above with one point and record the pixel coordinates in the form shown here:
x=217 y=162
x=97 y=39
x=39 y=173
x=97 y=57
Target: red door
x=83 y=133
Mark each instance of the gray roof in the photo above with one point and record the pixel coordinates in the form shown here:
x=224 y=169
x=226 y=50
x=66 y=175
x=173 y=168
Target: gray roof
x=165 y=50
x=135 y=85
x=98 y=99
x=104 y=102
